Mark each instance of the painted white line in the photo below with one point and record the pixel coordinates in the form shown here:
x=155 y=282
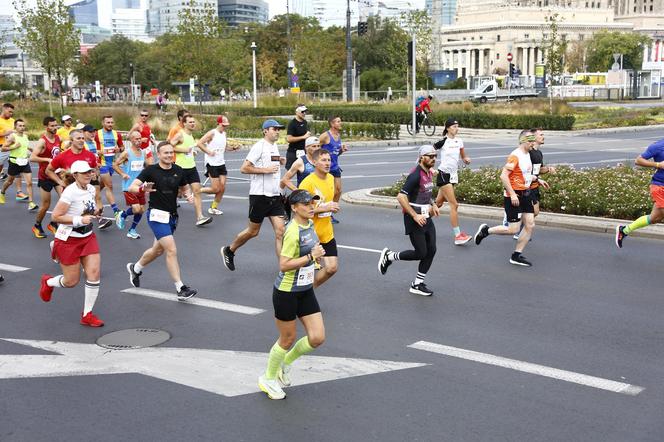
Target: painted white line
x=361 y=249
x=13 y=269
x=236 y=308
x=350 y=177
x=527 y=367
x=615 y=160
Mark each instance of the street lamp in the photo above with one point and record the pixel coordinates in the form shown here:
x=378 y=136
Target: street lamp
x=253 y=59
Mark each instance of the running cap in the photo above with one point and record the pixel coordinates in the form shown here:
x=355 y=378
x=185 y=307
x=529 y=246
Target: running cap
x=427 y=149
x=302 y=197
x=272 y=123
x=301 y=108
x=89 y=128
x=450 y=122
x=79 y=126
x=65 y=118
x=311 y=140
x=80 y=167
x=223 y=120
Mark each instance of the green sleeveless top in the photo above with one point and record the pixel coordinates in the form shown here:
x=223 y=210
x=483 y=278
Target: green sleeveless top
x=22 y=151
x=186 y=160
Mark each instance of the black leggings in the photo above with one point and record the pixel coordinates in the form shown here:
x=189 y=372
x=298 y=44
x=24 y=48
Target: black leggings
x=424 y=241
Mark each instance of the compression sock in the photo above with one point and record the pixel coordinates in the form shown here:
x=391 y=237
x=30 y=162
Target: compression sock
x=137 y=219
x=277 y=355
x=638 y=224
x=301 y=347
x=214 y=205
x=91 y=292
x=115 y=207
x=419 y=279
x=127 y=212
x=56 y=281
x=456 y=230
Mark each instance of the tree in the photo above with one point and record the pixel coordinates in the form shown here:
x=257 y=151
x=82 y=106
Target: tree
x=48 y=37
x=604 y=44
x=554 y=47
x=418 y=22
x=575 y=58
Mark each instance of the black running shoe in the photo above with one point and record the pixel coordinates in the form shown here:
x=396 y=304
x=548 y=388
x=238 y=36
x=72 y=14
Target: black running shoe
x=186 y=292
x=620 y=235
x=134 y=278
x=2 y=278
x=383 y=262
x=519 y=260
x=482 y=233
x=105 y=224
x=420 y=289
x=228 y=258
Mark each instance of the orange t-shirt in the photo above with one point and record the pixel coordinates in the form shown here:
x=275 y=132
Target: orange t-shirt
x=522 y=169
x=174 y=131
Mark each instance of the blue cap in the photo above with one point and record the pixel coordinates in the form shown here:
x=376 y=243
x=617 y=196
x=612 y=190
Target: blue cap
x=272 y=123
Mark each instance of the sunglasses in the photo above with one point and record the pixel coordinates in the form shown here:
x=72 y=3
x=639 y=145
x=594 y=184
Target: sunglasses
x=433 y=157
x=144 y=115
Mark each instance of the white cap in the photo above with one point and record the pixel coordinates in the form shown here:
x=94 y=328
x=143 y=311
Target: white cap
x=80 y=126
x=80 y=167
x=427 y=149
x=302 y=108
x=65 y=118
x=311 y=140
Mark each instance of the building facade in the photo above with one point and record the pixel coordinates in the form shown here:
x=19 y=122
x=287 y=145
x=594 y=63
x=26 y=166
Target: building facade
x=163 y=14
x=239 y=12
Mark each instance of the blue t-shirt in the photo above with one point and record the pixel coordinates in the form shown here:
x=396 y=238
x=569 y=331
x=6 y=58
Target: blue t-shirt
x=656 y=152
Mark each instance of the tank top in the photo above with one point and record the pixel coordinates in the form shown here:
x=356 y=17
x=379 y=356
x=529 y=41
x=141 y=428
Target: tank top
x=334 y=147
x=145 y=133
x=186 y=160
x=21 y=154
x=91 y=146
x=51 y=150
x=308 y=169
x=218 y=145
x=133 y=167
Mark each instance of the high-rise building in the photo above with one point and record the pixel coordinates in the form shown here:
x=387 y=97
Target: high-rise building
x=163 y=15
x=238 y=12
x=446 y=10
x=100 y=19
x=305 y=8
x=333 y=12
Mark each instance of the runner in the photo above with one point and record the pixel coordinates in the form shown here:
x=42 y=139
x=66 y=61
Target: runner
x=331 y=141
x=263 y=164
x=293 y=297
x=177 y=127
x=6 y=129
x=47 y=148
x=129 y=164
x=303 y=166
x=296 y=134
x=516 y=177
x=147 y=139
x=415 y=199
x=75 y=243
x=321 y=184
x=216 y=144
x=185 y=144
x=63 y=132
x=109 y=142
x=64 y=160
x=652 y=157
x=162 y=180
x=452 y=151
x=17 y=144
x=89 y=137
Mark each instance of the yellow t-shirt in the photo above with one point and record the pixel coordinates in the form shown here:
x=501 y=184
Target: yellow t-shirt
x=63 y=133
x=325 y=189
x=5 y=125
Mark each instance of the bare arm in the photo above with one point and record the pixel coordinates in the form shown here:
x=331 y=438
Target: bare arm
x=323 y=139
x=39 y=147
x=119 y=161
x=9 y=144
x=298 y=166
x=640 y=161
x=202 y=143
x=505 y=180
x=294 y=139
x=287 y=264
x=135 y=186
x=249 y=168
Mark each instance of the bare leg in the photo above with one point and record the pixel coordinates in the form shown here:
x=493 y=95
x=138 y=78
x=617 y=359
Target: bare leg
x=251 y=231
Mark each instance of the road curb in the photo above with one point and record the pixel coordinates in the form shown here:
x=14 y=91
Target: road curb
x=572 y=222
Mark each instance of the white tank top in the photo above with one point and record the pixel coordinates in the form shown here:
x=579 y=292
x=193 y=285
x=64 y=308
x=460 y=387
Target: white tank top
x=218 y=145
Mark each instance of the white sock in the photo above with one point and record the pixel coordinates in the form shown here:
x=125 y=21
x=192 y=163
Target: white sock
x=178 y=285
x=55 y=281
x=419 y=279
x=393 y=256
x=91 y=292
x=138 y=268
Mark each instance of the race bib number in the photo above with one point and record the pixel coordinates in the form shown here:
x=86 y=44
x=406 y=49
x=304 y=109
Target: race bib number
x=22 y=161
x=324 y=214
x=159 y=216
x=109 y=150
x=299 y=153
x=536 y=169
x=275 y=158
x=454 y=177
x=63 y=232
x=136 y=166
x=306 y=275
x=422 y=209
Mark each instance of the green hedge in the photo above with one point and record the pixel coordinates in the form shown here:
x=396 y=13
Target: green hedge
x=611 y=192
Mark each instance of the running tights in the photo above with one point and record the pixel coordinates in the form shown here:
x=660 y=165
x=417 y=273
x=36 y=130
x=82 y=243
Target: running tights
x=424 y=242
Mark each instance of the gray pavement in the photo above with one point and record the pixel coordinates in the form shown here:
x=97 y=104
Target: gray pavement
x=585 y=307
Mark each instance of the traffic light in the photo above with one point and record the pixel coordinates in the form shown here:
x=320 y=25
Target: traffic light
x=361 y=27
x=410 y=53
x=512 y=71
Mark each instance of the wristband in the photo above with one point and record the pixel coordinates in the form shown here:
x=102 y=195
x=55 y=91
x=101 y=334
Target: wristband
x=77 y=221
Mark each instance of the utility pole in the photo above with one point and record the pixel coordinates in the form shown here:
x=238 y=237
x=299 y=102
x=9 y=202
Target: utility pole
x=291 y=63
x=349 y=58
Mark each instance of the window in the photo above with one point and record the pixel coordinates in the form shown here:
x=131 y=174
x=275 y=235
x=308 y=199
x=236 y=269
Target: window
x=526 y=35
x=498 y=37
x=497 y=56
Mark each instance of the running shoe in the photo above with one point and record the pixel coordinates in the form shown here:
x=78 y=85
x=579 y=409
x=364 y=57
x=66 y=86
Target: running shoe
x=38 y=231
x=271 y=388
x=482 y=233
x=2 y=198
x=203 y=220
x=119 y=220
x=283 y=375
x=52 y=227
x=134 y=277
x=32 y=206
x=461 y=239
x=620 y=235
x=20 y=196
x=519 y=260
x=133 y=234
x=3 y=176
x=334 y=220
x=45 y=291
x=91 y=320
x=105 y=224
x=420 y=289
x=215 y=211
x=228 y=258
x=383 y=262
x=186 y=292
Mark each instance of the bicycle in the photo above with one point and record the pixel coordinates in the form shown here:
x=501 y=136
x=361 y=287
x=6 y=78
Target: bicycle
x=427 y=125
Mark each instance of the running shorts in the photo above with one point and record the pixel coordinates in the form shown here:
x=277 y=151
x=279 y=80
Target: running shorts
x=443 y=179
x=535 y=195
x=161 y=230
x=106 y=169
x=336 y=172
x=4 y=156
x=330 y=247
x=525 y=206
x=71 y=251
x=46 y=184
x=216 y=171
x=657 y=194
x=134 y=198
x=291 y=305
x=15 y=170
x=191 y=176
x=261 y=207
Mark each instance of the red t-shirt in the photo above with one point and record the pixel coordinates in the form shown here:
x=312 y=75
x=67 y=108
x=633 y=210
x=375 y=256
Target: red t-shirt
x=145 y=133
x=67 y=158
x=51 y=150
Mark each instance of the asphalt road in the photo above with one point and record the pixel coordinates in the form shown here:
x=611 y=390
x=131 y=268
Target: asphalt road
x=584 y=308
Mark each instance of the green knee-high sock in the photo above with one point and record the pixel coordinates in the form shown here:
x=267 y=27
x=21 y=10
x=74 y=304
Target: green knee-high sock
x=301 y=347
x=638 y=224
x=277 y=355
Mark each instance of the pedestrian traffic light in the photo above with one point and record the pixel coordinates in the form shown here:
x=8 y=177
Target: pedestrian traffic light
x=362 y=27
x=512 y=70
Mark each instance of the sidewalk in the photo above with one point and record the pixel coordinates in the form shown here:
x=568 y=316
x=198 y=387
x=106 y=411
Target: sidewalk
x=548 y=219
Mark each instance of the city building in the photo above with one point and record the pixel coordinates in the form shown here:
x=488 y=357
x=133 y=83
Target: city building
x=305 y=8
x=446 y=11
x=100 y=19
x=333 y=12
x=239 y=12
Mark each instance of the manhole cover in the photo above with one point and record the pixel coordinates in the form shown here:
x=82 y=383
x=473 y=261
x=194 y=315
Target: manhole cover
x=133 y=338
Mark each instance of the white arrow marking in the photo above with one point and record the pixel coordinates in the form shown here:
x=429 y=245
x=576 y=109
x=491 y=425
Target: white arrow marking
x=201 y=302
x=224 y=372
x=13 y=269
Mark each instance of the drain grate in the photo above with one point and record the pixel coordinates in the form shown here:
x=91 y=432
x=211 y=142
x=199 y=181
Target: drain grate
x=133 y=338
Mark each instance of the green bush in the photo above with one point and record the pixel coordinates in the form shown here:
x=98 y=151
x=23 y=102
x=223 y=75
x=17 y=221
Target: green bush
x=611 y=192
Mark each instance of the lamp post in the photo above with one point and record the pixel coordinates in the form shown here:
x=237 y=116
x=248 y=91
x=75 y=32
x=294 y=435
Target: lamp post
x=253 y=59
x=349 y=58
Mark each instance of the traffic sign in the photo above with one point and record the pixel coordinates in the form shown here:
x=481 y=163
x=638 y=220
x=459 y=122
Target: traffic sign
x=509 y=56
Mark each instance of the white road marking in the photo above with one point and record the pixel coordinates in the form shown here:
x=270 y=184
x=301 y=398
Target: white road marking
x=236 y=308
x=361 y=249
x=13 y=268
x=615 y=160
x=527 y=367
x=222 y=372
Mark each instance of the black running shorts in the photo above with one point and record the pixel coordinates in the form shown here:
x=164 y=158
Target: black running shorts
x=216 y=171
x=261 y=207
x=525 y=206
x=191 y=176
x=291 y=305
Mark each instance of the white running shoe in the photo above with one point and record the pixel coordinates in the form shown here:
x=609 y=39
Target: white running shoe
x=213 y=211
x=283 y=375
x=271 y=387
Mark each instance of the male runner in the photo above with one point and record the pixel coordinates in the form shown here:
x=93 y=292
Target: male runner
x=416 y=200
x=296 y=134
x=6 y=129
x=331 y=141
x=516 y=177
x=177 y=127
x=64 y=160
x=67 y=127
x=46 y=148
x=129 y=164
x=263 y=164
x=162 y=180
x=109 y=142
x=303 y=166
x=652 y=157
x=184 y=144
x=17 y=145
x=147 y=139
x=321 y=183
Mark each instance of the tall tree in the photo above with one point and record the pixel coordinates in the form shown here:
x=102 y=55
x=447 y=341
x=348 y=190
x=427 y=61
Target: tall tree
x=554 y=52
x=604 y=44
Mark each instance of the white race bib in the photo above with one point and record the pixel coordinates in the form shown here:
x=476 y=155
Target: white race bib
x=422 y=209
x=160 y=216
x=136 y=166
x=324 y=214
x=306 y=275
x=22 y=161
x=454 y=177
x=63 y=232
x=536 y=169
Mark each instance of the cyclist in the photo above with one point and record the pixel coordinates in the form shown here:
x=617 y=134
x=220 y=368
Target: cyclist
x=422 y=107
